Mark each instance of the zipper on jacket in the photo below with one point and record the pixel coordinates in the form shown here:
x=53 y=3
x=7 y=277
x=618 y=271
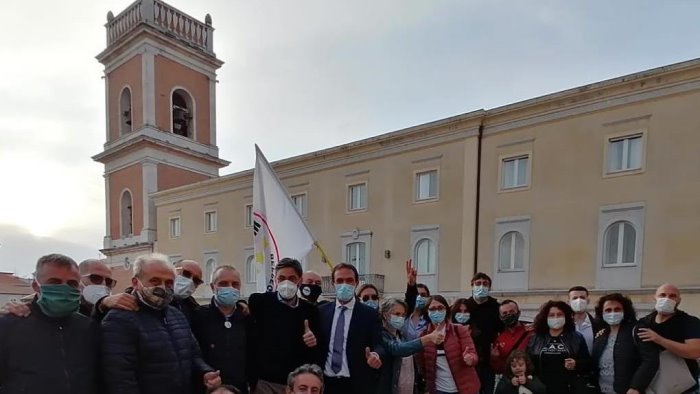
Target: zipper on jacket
x=63 y=355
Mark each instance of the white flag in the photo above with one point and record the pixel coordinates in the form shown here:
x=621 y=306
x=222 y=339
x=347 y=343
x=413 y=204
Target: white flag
x=279 y=230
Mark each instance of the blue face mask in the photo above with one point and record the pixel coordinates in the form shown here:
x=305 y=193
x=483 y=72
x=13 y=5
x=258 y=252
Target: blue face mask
x=461 y=318
x=397 y=321
x=344 y=292
x=437 y=317
x=613 y=318
x=420 y=302
x=58 y=300
x=372 y=304
x=480 y=292
x=227 y=296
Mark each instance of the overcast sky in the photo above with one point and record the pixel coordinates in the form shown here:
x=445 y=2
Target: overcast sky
x=316 y=73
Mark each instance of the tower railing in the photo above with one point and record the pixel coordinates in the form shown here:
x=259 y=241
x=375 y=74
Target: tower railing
x=163 y=17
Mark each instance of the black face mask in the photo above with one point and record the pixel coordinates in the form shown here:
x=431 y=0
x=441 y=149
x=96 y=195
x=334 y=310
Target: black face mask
x=310 y=292
x=511 y=321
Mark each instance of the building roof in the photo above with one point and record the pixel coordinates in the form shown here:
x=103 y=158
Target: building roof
x=11 y=284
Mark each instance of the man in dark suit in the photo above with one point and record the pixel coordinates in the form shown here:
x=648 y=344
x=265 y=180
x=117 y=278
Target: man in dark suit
x=350 y=341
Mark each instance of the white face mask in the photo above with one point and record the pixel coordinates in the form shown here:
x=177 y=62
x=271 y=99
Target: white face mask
x=556 y=322
x=665 y=305
x=184 y=287
x=94 y=293
x=287 y=289
x=579 y=305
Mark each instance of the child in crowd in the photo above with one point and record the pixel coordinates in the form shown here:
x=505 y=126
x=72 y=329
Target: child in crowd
x=518 y=378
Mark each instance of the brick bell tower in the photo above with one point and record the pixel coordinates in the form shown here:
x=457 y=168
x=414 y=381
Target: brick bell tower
x=160 y=83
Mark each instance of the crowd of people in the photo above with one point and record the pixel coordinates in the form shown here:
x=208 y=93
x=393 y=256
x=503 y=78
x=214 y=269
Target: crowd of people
x=75 y=336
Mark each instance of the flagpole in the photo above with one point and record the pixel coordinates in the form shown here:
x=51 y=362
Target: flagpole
x=324 y=257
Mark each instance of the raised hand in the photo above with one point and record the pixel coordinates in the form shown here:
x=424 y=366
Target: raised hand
x=373 y=359
x=411 y=273
x=308 y=337
x=17 y=309
x=212 y=379
x=437 y=337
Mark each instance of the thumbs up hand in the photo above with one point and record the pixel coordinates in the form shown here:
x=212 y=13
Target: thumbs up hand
x=212 y=379
x=373 y=359
x=309 y=337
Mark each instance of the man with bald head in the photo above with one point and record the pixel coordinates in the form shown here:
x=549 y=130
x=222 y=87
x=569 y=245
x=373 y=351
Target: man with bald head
x=310 y=287
x=672 y=329
x=188 y=279
x=152 y=350
x=97 y=284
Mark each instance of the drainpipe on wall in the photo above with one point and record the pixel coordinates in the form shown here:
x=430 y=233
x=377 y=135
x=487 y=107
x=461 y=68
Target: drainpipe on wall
x=478 y=195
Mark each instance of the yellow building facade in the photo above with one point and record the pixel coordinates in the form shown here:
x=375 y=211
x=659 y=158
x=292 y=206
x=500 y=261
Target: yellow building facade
x=595 y=186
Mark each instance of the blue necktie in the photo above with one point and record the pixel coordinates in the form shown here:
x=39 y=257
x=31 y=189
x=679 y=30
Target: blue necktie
x=338 y=342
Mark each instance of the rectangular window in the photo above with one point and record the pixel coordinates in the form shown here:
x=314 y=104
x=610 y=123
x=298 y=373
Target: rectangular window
x=249 y=215
x=426 y=185
x=210 y=222
x=299 y=201
x=357 y=197
x=625 y=153
x=175 y=227
x=514 y=172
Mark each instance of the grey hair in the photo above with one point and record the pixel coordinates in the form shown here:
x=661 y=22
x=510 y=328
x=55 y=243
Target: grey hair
x=84 y=265
x=54 y=258
x=221 y=268
x=145 y=259
x=312 y=369
x=389 y=304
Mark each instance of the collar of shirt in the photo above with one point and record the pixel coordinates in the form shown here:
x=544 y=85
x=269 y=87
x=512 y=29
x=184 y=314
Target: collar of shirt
x=296 y=301
x=585 y=323
x=350 y=305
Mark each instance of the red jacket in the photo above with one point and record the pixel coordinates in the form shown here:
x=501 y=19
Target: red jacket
x=457 y=343
x=505 y=343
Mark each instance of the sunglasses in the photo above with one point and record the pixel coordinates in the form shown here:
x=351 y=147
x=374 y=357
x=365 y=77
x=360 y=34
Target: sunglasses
x=437 y=308
x=189 y=275
x=372 y=297
x=99 y=280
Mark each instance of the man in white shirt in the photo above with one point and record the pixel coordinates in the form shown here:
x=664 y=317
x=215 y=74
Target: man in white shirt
x=349 y=369
x=585 y=324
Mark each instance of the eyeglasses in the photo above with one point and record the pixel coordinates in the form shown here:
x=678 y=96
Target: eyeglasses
x=99 y=279
x=187 y=274
x=437 y=308
x=368 y=297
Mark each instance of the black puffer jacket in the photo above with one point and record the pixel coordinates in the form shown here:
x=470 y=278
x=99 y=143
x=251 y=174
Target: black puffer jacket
x=149 y=352
x=39 y=354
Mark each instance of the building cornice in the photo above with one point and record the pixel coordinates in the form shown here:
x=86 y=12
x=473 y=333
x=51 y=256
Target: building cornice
x=414 y=138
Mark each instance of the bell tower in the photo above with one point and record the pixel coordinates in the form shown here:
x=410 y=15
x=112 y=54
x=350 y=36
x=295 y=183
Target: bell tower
x=160 y=98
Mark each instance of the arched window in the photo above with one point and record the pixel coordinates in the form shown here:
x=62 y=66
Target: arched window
x=209 y=268
x=250 y=272
x=424 y=256
x=620 y=244
x=182 y=113
x=125 y=111
x=356 y=255
x=511 y=252
x=127 y=215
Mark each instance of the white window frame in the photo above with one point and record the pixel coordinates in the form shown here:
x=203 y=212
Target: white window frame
x=305 y=207
x=349 y=194
x=248 y=218
x=358 y=245
x=211 y=226
x=513 y=242
x=620 y=244
x=250 y=279
x=171 y=231
x=626 y=135
x=620 y=276
x=357 y=235
x=209 y=271
x=416 y=185
x=512 y=279
x=528 y=171
x=430 y=232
